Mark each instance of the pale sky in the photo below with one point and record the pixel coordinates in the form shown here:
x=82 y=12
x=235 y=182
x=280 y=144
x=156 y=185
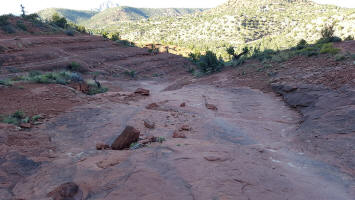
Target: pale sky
x=13 y=6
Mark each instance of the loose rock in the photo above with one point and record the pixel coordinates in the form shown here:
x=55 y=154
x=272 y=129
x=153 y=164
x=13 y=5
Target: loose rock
x=183 y=104
x=26 y=125
x=179 y=135
x=66 y=191
x=127 y=137
x=185 y=128
x=152 y=106
x=142 y=91
x=102 y=146
x=149 y=124
x=211 y=106
x=214 y=158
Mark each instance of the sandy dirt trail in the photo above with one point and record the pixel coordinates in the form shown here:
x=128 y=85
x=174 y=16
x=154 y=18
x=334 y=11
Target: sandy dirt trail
x=241 y=151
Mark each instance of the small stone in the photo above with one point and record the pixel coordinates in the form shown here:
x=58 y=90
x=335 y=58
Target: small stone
x=211 y=106
x=183 y=104
x=102 y=146
x=185 y=128
x=26 y=125
x=152 y=106
x=149 y=124
x=142 y=91
x=179 y=135
x=214 y=158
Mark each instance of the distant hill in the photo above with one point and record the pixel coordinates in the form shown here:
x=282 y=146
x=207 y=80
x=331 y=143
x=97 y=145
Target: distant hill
x=123 y=14
x=97 y=19
x=275 y=24
x=75 y=16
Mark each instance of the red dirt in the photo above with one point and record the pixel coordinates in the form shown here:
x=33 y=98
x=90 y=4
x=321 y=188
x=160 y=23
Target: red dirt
x=36 y=99
x=243 y=150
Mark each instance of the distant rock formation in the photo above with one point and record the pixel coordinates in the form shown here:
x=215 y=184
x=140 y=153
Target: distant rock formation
x=107 y=4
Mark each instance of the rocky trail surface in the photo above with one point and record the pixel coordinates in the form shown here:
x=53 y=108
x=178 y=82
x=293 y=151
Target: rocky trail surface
x=220 y=140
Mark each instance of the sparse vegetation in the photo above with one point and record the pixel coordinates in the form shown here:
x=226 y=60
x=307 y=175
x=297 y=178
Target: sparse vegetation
x=340 y=57
x=70 y=32
x=329 y=48
x=131 y=73
x=10 y=29
x=350 y=37
x=20 y=117
x=4 y=20
x=21 y=25
x=63 y=77
x=115 y=36
x=16 y=118
x=94 y=88
x=209 y=63
x=302 y=44
x=74 y=66
x=59 y=21
x=5 y=82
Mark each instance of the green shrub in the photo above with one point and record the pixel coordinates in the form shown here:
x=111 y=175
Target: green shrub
x=132 y=73
x=95 y=89
x=328 y=31
x=230 y=51
x=238 y=62
x=62 y=78
x=264 y=55
x=340 y=57
x=36 y=118
x=34 y=73
x=21 y=25
x=195 y=56
x=19 y=114
x=329 y=49
x=33 y=17
x=80 y=29
x=4 y=20
x=70 y=32
x=5 y=82
x=209 y=63
x=350 y=37
x=59 y=21
x=309 y=51
x=328 y=40
x=74 y=66
x=18 y=78
x=115 y=36
x=105 y=34
x=301 y=44
x=16 y=118
x=126 y=43
x=8 y=29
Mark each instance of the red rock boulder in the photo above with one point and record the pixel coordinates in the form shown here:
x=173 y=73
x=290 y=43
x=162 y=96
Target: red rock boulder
x=127 y=137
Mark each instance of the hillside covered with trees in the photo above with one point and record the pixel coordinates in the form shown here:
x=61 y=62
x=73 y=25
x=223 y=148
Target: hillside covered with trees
x=265 y=24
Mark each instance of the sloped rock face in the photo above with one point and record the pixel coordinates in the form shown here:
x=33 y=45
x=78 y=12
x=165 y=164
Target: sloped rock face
x=328 y=121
